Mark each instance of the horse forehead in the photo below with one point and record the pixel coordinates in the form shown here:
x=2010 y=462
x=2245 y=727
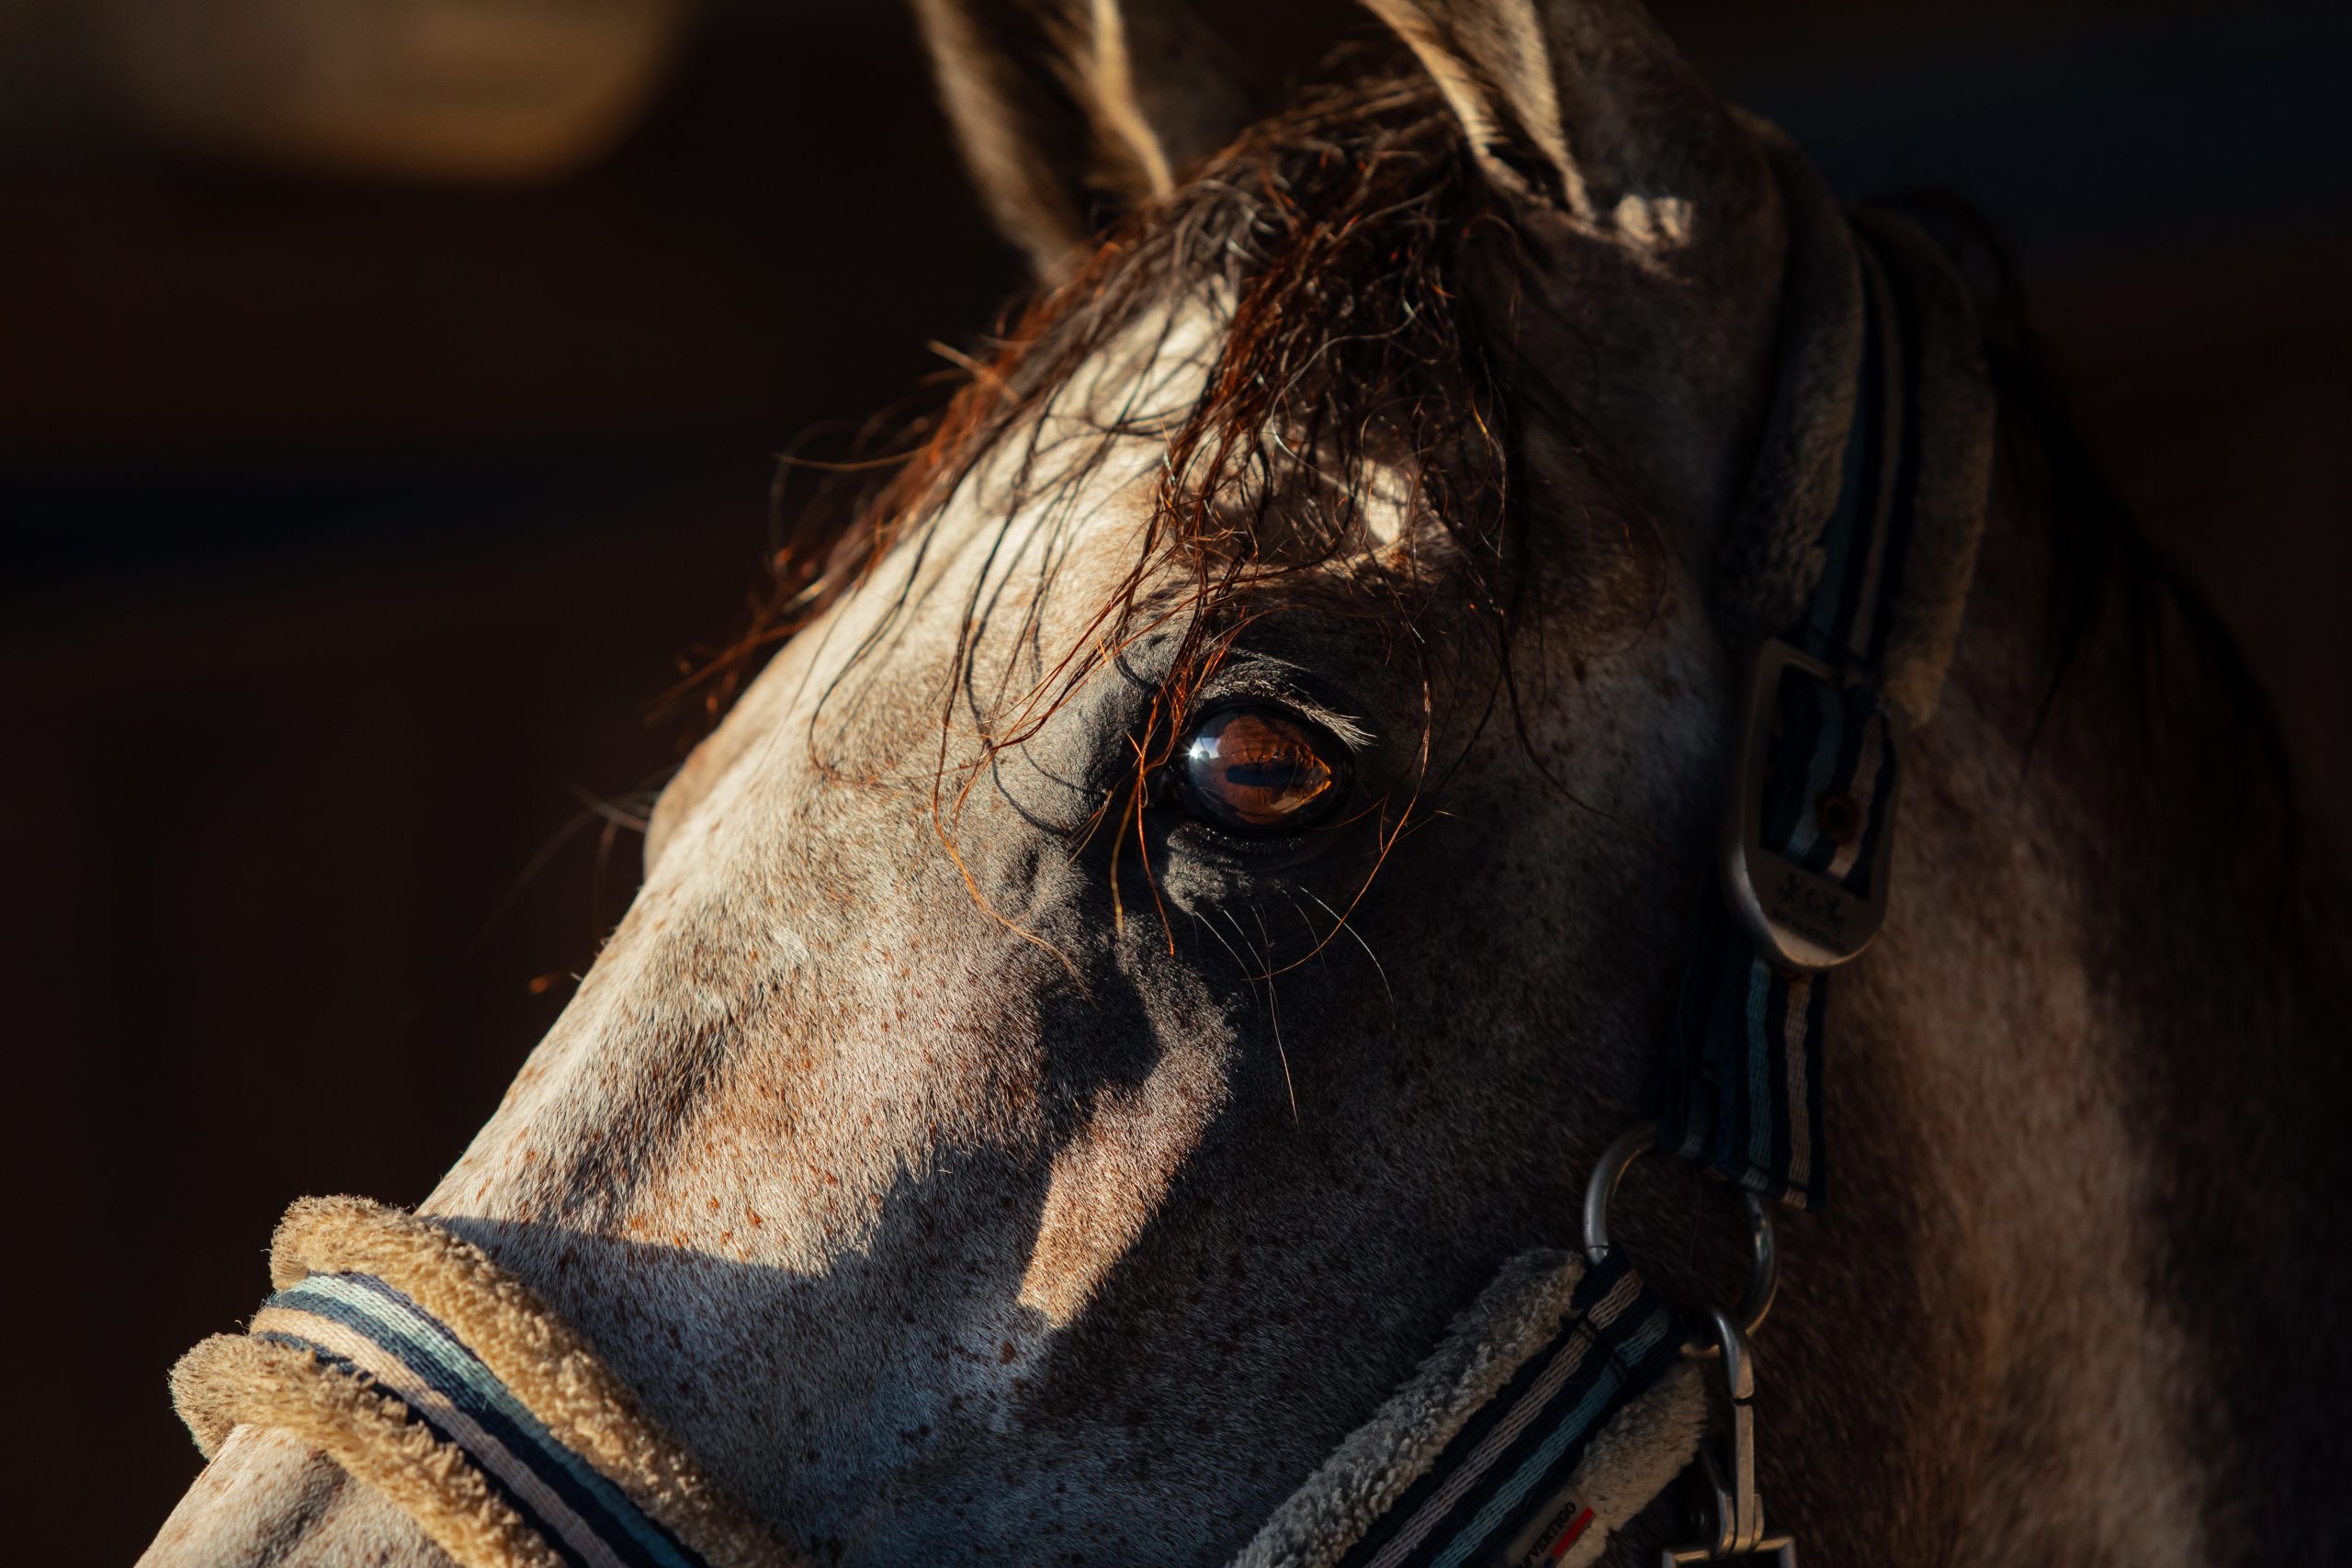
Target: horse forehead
x=1063 y=496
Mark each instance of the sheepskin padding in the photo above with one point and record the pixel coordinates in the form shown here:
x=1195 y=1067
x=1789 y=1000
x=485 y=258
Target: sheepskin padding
x=233 y=1379
x=1631 y=1461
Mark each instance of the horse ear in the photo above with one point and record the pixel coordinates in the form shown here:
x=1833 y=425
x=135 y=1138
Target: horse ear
x=1651 y=226
x=1072 y=112
x=1583 y=106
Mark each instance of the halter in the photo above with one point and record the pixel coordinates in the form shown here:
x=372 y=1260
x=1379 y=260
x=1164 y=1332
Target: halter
x=1570 y=1395
x=1880 y=527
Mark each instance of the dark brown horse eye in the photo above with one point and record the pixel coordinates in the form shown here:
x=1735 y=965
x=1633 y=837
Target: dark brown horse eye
x=1259 y=770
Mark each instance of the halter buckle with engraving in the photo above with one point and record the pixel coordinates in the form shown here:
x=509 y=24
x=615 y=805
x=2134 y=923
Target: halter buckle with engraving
x=1802 y=920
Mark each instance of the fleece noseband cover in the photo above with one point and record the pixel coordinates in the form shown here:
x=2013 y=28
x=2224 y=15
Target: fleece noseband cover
x=425 y=1371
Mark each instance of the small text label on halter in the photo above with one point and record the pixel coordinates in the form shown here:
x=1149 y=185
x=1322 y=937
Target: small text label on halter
x=1561 y=1528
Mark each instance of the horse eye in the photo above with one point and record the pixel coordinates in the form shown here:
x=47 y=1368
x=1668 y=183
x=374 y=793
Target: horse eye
x=1259 y=770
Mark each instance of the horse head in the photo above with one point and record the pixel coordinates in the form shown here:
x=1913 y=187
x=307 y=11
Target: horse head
x=1210 y=864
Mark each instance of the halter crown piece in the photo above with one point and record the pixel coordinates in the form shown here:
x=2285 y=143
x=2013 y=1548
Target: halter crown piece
x=1569 y=1395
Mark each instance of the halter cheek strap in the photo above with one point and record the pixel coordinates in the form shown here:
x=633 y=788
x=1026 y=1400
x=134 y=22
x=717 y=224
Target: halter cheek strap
x=1809 y=827
x=1834 y=689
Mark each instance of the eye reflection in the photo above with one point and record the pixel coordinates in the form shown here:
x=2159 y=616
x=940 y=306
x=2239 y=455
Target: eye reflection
x=1260 y=768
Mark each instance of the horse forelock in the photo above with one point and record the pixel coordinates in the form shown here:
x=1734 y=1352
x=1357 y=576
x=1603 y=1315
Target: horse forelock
x=1294 y=339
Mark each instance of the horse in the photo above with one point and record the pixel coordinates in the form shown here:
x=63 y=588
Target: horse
x=1209 y=861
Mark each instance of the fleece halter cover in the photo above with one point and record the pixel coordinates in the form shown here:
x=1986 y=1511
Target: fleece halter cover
x=1558 y=1406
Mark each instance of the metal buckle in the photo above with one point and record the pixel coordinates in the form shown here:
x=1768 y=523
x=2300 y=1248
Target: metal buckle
x=1731 y=1513
x=1802 y=921
x=1764 y=1263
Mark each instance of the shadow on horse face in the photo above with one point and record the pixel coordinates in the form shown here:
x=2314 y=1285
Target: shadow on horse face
x=1118 y=1181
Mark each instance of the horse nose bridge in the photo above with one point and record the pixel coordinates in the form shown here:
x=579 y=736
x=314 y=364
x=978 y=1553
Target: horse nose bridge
x=770 y=1012
x=651 y=1034
x=793 y=875
x=862 y=1201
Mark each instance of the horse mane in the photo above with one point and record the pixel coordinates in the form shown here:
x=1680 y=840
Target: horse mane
x=1325 y=236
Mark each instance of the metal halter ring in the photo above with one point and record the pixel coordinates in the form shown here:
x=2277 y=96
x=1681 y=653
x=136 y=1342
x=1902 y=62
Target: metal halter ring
x=1764 y=1265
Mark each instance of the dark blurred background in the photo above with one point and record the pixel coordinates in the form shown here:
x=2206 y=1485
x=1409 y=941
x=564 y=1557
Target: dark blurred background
x=379 y=430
